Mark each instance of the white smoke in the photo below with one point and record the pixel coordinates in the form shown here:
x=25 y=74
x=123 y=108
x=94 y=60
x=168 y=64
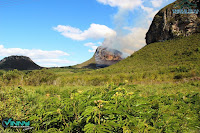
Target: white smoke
x=127 y=39
x=130 y=37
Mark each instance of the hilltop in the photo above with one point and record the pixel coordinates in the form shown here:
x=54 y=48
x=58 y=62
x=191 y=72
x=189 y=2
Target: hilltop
x=18 y=62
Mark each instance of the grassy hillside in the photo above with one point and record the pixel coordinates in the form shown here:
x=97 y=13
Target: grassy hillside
x=171 y=58
x=179 y=52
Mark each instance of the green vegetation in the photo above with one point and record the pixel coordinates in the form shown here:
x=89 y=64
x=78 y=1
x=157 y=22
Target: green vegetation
x=126 y=108
x=157 y=89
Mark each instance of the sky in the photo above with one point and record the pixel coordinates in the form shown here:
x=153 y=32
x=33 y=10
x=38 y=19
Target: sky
x=56 y=33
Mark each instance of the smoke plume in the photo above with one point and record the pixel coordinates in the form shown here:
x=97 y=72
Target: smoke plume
x=129 y=37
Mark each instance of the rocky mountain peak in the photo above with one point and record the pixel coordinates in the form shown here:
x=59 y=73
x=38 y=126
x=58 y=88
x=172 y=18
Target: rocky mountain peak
x=105 y=56
x=169 y=23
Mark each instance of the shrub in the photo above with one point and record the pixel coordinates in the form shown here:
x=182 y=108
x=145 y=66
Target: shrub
x=40 y=77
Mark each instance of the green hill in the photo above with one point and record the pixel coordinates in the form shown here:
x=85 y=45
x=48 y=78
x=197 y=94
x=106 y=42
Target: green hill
x=177 y=52
x=176 y=58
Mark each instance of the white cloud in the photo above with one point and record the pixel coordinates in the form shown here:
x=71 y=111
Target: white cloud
x=93 y=46
x=96 y=31
x=54 y=62
x=136 y=39
x=41 y=57
x=157 y=3
x=100 y=43
x=122 y=4
x=150 y=11
x=89 y=44
x=128 y=43
x=33 y=53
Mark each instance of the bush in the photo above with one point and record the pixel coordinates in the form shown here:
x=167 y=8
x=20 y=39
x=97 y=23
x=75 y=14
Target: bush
x=40 y=77
x=13 y=77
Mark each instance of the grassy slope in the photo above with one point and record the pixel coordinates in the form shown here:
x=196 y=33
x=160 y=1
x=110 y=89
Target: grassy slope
x=164 y=56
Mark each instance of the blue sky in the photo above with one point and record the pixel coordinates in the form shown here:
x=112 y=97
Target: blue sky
x=67 y=32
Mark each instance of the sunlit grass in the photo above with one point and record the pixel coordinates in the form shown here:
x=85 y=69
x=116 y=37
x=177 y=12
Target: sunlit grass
x=66 y=108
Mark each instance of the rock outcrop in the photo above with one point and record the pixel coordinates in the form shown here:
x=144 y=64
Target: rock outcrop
x=105 y=56
x=168 y=25
x=18 y=62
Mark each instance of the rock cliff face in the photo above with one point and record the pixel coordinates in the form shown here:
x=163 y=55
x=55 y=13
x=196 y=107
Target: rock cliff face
x=168 y=25
x=105 y=56
x=18 y=62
